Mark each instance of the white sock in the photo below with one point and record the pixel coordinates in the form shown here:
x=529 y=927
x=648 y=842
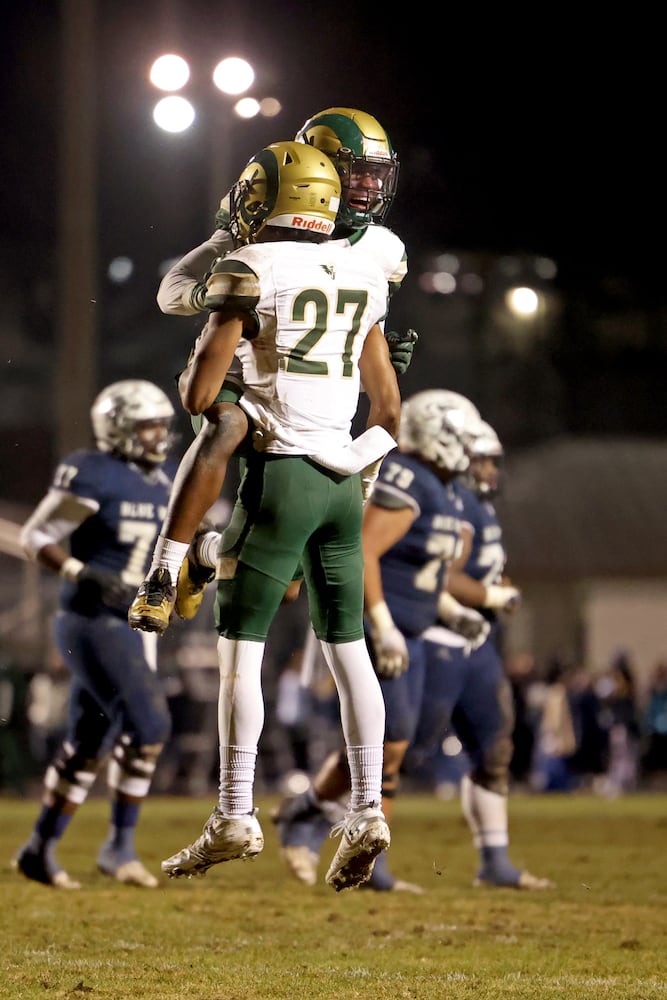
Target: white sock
x=237 y=778
x=207 y=548
x=169 y=555
x=365 y=775
x=485 y=813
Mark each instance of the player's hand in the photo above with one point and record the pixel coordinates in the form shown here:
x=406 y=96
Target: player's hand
x=465 y=621
x=105 y=587
x=401 y=348
x=502 y=598
x=391 y=653
x=472 y=626
x=389 y=647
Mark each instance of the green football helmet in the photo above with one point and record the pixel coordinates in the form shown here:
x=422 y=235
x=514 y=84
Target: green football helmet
x=363 y=155
x=288 y=185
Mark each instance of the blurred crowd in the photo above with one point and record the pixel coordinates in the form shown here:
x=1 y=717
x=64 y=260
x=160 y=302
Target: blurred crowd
x=577 y=729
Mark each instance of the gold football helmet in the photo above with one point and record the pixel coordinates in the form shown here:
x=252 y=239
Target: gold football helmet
x=288 y=185
x=363 y=155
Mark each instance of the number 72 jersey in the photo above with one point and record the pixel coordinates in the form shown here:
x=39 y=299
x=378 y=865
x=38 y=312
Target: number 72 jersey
x=312 y=306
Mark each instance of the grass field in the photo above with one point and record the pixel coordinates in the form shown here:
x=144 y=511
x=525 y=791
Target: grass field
x=248 y=931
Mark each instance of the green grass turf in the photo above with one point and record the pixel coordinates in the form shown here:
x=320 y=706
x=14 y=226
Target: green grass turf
x=248 y=930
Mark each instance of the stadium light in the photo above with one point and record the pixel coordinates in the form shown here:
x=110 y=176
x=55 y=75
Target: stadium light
x=522 y=301
x=175 y=113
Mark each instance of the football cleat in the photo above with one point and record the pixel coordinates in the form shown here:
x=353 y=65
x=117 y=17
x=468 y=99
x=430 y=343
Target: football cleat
x=301 y=862
x=525 y=881
x=152 y=608
x=127 y=872
x=191 y=584
x=365 y=834
x=303 y=826
x=224 y=838
x=38 y=868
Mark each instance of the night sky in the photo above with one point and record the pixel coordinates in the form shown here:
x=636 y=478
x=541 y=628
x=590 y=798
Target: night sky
x=513 y=135
x=539 y=137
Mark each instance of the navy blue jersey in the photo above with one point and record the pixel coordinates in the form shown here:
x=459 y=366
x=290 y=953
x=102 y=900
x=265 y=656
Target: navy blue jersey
x=486 y=562
x=129 y=505
x=414 y=569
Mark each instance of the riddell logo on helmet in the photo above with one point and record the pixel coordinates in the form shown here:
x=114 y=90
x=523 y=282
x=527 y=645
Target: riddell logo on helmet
x=318 y=225
x=311 y=222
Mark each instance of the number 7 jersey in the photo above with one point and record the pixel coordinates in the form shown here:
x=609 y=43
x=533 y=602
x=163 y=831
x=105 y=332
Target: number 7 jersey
x=313 y=305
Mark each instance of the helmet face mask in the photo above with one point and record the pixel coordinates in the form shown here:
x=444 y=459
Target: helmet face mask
x=286 y=185
x=123 y=415
x=363 y=155
x=368 y=188
x=484 y=476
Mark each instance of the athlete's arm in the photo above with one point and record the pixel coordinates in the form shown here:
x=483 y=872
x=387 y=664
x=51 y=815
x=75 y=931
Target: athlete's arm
x=183 y=288
x=382 y=528
x=460 y=585
x=212 y=357
x=380 y=382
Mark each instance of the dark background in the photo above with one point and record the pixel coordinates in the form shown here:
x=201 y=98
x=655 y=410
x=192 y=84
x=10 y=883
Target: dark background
x=522 y=138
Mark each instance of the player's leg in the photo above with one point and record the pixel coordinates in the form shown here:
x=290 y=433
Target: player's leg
x=446 y=673
x=333 y=565
x=176 y=579
x=67 y=782
x=484 y=720
x=269 y=549
x=403 y=697
x=304 y=821
x=126 y=663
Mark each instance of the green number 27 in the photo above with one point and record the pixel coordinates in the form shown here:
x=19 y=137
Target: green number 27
x=298 y=361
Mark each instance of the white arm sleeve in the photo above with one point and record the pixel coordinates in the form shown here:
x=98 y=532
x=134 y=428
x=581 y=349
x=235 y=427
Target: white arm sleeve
x=177 y=294
x=54 y=519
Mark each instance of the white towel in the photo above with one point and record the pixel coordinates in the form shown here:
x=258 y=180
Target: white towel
x=370 y=446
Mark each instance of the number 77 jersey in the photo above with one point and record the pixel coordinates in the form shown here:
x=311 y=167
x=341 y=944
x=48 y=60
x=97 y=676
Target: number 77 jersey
x=312 y=305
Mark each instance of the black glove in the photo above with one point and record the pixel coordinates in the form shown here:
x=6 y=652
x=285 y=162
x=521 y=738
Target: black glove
x=401 y=348
x=99 y=585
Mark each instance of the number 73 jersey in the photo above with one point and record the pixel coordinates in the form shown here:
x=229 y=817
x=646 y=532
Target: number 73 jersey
x=414 y=569
x=313 y=305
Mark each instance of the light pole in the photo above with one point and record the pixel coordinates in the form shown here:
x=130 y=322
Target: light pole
x=76 y=363
x=232 y=76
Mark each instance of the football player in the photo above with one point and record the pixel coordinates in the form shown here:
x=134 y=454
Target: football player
x=469 y=688
x=302 y=314
x=412 y=533
x=106 y=504
x=368 y=166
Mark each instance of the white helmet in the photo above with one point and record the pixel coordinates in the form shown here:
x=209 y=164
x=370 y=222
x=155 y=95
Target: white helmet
x=435 y=424
x=484 y=443
x=118 y=409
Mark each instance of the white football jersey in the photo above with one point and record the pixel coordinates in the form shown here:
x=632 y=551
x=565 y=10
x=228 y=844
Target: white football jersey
x=385 y=247
x=315 y=303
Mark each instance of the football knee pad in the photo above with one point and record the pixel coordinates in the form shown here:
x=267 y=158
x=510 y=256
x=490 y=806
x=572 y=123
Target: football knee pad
x=131 y=768
x=71 y=775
